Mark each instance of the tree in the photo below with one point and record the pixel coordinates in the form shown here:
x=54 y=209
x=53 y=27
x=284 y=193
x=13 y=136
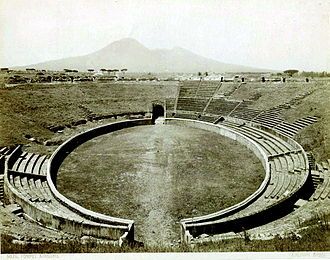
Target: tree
x=199 y=73
x=206 y=74
x=291 y=72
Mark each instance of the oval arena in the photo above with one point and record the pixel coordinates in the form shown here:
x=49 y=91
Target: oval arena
x=200 y=167
x=159 y=174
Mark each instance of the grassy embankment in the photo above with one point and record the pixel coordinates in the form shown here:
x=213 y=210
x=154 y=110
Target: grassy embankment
x=31 y=109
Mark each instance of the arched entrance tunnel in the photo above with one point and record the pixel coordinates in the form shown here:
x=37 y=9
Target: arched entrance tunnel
x=157 y=111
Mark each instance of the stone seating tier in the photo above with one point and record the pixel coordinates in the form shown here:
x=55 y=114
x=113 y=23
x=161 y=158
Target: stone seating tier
x=221 y=106
x=25 y=163
x=286 y=176
x=207 y=89
x=43 y=199
x=323 y=188
x=191 y=104
x=32 y=163
x=287 y=163
x=20 y=159
x=208 y=118
x=41 y=165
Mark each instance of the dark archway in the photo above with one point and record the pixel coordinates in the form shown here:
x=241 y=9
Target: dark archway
x=157 y=111
x=49 y=79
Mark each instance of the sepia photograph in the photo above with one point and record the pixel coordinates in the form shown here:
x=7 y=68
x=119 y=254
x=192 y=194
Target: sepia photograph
x=135 y=129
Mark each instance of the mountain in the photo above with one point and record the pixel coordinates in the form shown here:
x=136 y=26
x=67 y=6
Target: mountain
x=132 y=55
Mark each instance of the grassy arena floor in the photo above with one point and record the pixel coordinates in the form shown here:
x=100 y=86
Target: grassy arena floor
x=157 y=175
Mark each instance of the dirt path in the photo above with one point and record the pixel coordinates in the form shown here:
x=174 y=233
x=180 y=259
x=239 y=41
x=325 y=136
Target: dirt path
x=158 y=224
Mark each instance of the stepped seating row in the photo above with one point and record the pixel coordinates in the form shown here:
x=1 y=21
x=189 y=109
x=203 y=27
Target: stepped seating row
x=305 y=211
x=228 y=88
x=286 y=129
x=288 y=174
x=27 y=186
x=268 y=119
x=293 y=128
x=5 y=150
x=244 y=112
x=181 y=114
x=191 y=104
x=221 y=106
x=271 y=144
x=34 y=186
x=196 y=116
x=274 y=146
x=208 y=88
x=237 y=109
x=283 y=182
x=278 y=150
x=38 y=192
x=323 y=188
x=292 y=101
x=31 y=163
x=189 y=88
x=208 y=118
x=35 y=189
x=271 y=118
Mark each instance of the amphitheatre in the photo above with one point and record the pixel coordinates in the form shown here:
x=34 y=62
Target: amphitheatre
x=170 y=163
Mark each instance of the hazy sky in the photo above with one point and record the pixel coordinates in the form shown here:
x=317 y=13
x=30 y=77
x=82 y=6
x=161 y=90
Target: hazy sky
x=271 y=34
